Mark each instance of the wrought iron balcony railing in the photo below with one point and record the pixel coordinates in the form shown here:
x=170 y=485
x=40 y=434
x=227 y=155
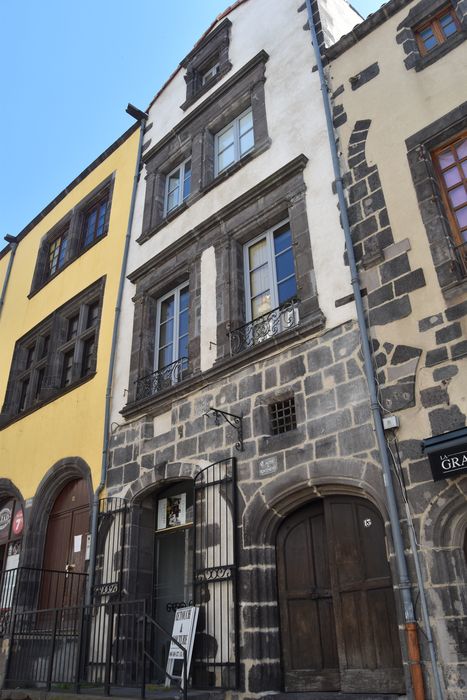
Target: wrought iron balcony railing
x=265 y=327
x=161 y=379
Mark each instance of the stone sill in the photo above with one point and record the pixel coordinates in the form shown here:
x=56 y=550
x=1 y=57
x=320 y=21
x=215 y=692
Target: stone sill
x=457 y=288
x=163 y=400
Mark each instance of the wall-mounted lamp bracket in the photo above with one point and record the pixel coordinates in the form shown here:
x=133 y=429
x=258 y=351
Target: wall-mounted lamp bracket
x=233 y=420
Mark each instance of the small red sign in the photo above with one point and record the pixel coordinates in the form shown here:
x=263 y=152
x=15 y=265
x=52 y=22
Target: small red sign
x=18 y=522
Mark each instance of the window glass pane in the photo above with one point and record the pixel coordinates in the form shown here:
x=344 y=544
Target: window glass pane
x=183 y=346
x=257 y=254
x=461 y=216
x=225 y=140
x=246 y=123
x=61 y=257
x=72 y=327
x=184 y=298
x=259 y=280
x=89 y=227
x=165 y=357
x=458 y=196
x=285 y=265
x=282 y=240
x=167 y=308
x=452 y=176
x=101 y=221
x=461 y=149
x=448 y=25
x=226 y=158
x=187 y=179
x=166 y=333
x=261 y=305
x=446 y=158
x=428 y=38
x=247 y=142
x=183 y=322
x=287 y=290
x=174 y=181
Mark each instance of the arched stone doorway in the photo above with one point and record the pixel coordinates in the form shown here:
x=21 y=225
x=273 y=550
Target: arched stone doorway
x=337 y=611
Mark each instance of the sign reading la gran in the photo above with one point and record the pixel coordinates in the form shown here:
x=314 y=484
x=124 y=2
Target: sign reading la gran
x=447 y=454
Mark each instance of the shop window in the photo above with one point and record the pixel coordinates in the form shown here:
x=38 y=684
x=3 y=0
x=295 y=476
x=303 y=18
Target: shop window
x=11 y=530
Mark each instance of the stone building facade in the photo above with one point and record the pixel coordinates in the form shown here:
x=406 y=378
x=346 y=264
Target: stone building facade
x=409 y=239
x=242 y=435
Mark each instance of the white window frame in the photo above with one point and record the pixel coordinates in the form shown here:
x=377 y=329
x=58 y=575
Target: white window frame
x=271 y=257
x=236 y=129
x=176 y=336
x=181 y=181
x=210 y=73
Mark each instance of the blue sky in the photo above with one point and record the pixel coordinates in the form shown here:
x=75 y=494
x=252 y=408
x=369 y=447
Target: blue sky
x=68 y=70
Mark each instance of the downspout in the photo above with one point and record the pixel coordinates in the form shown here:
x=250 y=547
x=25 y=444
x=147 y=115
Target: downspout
x=13 y=246
x=141 y=117
x=413 y=645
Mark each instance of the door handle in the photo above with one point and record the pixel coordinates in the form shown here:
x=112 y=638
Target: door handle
x=69 y=568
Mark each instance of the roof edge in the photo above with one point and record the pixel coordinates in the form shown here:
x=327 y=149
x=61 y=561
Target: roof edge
x=361 y=30
x=79 y=178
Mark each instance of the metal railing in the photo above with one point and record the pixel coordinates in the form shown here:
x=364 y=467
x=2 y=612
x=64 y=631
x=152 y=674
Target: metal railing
x=106 y=646
x=28 y=588
x=161 y=379
x=460 y=252
x=264 y=327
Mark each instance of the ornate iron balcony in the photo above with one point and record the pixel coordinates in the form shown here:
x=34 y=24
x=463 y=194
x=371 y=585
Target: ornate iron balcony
x=161 y=379
x=265 y=327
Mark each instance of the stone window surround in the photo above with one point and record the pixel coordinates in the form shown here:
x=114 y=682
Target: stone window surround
x=73 y=223
x=55 y=326
x=430 y=202
x=419 y=14
x=280 y=196
x=212 y=49
x=195 y=135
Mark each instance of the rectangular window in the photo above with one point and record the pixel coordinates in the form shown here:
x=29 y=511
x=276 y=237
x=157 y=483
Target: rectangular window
x=72 y=330
x=437 y=30
x=178 y=186
x=23 y=395
x=93 y=314
x=234 y=141
x=94 y=221
x=30 y=356
x=451 y=165
x=269 y=272
x=172 y=328
x=39 y=382
x=57 y=253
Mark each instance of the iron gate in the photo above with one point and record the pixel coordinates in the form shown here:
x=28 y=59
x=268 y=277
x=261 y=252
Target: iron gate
x=110 y=548
x=215 y=656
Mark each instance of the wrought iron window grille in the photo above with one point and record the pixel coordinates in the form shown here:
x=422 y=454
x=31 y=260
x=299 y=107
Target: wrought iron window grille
x=163 y=378
x=264 y=327
x=283 y=416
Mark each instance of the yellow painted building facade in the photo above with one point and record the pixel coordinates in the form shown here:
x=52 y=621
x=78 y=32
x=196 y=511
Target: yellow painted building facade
x=56 y=328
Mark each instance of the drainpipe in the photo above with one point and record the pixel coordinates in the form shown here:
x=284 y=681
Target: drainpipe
x=13 y=246
x=413 y=647
x=141 y=117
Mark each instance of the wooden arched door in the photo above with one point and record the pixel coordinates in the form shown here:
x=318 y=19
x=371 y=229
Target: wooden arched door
x=338 y=620
x=63 y=581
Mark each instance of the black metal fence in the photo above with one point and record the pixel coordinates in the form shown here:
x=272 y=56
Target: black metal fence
x=105 y=646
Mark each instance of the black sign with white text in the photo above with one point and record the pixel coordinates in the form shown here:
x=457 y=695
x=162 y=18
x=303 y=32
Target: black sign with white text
x=447 y=454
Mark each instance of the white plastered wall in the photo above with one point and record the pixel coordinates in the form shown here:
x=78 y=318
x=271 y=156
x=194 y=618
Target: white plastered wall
x=296 y=125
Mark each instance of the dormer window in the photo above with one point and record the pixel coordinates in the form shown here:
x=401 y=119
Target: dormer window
x=436 y=30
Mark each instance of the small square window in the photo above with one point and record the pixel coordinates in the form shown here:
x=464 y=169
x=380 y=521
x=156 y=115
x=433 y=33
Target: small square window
x=283 y=417
x=178 y=186
x=234 y=141
x=210 y=73
x=436 y=30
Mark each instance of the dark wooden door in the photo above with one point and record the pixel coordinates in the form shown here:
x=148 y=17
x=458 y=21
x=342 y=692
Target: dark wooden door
x=65 y=547
x=338 y=621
